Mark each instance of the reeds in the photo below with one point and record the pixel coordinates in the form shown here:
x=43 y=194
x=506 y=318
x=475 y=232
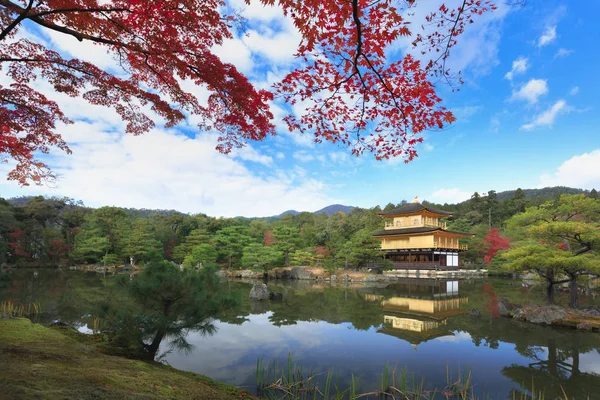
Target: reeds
x=9 y=309
x=292 y=382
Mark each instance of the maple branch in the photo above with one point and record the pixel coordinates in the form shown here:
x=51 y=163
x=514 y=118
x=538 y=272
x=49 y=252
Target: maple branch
x=17 y=20
x=80 y=10
x=68 y=31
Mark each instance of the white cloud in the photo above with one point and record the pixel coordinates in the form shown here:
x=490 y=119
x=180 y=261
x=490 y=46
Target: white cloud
x=453 y=195
x=277 y=46
x=248 y=153
x=171 y=171
x=582 y=171
x=547 y=117
x=280 y=155
x=574 y=91
x=495 y=124
x=339 y=156
x=235 y=52
x=548 y=36
x=519 y=66
x=428 y=147
x=563 y=53
x=531 y=91
x=303 y=156
x=463 y=114
x=258 y=11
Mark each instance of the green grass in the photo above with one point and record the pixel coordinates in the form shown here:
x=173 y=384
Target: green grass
x=59 y=363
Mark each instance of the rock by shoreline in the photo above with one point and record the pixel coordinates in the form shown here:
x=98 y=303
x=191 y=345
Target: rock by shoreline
x=584 y=319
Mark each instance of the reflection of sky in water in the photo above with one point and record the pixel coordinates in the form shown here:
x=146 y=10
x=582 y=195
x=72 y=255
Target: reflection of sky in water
x=231 y=354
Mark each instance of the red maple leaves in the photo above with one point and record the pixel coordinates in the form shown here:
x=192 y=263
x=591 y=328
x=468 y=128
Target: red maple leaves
x=353 y=94
x=496 y=243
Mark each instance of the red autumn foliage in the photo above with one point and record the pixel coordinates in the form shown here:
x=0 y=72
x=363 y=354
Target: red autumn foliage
x=354 y=94
x=17 y=242
x=496 y=243
x=322 y=251
x=58 y=248
x=492 y=300
x=268 y=238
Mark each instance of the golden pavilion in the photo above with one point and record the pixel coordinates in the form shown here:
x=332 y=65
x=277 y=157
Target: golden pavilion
x=415 y=237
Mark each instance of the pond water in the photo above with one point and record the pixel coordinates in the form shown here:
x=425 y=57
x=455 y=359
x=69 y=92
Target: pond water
x=421 y=325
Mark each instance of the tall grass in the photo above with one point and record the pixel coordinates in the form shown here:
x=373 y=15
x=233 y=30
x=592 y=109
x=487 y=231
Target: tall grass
x=291 y=382
x=9 y=309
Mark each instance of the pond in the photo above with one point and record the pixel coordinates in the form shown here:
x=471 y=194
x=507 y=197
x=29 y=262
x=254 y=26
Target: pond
x=421 y=326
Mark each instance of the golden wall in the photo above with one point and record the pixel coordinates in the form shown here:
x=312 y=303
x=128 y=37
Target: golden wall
x=412 y=242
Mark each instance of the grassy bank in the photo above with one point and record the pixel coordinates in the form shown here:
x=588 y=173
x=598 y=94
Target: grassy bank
x=59 y=363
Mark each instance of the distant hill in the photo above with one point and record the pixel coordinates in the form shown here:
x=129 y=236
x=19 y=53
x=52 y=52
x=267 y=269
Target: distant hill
x=546 y=193
x=335 y=208
x=329 y=210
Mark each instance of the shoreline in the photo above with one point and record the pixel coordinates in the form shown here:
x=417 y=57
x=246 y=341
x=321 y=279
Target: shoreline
x=57 y=362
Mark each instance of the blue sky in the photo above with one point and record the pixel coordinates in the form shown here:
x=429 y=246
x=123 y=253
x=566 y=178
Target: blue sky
x=527 y=117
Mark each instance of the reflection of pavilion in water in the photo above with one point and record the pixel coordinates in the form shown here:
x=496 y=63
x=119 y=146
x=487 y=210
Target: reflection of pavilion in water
x=418 y=309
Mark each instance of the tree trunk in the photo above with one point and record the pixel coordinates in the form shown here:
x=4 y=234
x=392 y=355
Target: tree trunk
x=573 y=296
x=550 y=286
x=154 y=346
x=230 y=261
x=287 y=258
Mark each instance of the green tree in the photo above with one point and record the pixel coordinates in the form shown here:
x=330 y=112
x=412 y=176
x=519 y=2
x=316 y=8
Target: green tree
x=231 y=241
x=364 y=248
x=560 y=240
x=141 y=244
x=203 y=254
x=593 y=194
x=111 y=260
x=287 y=239
x=304 y=257
x=194 y=239
x=259 y=257
x=112 y=223
x=90 y=246
x=519 y=201
x=257 y=229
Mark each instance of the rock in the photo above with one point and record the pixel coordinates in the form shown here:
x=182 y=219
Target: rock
x=591 y=311
x=519 y=314
x=506 y=308
x=259 y=292
x=222 y=273
x=475 y=313
x=251 y=274
x=333 y=278
x=275 y=296
x=300 y=273
x=545 y=315
x=584 y=326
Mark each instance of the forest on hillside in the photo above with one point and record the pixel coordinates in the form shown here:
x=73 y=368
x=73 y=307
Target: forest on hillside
x=39 y=231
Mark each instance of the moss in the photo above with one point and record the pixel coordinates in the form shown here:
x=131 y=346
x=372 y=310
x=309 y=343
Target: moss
x=56 y=363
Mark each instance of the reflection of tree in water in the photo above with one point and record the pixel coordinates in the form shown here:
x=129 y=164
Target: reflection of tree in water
x=554 y=353
x=556 y=369
x=330 y=304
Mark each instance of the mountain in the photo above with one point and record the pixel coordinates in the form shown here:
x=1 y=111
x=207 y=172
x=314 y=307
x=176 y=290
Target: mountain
x=546 y=193
x=329 y=210
x=335 y=208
